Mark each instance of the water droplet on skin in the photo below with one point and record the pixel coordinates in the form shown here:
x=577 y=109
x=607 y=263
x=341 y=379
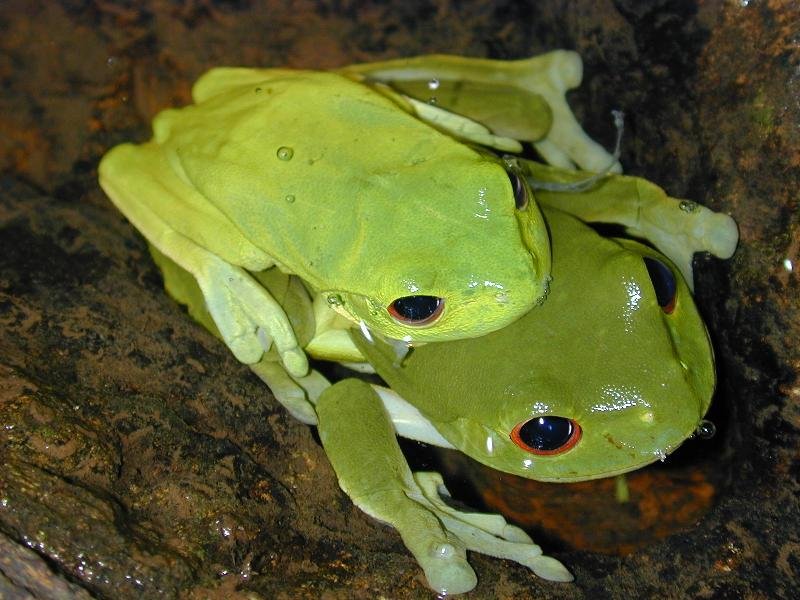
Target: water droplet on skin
x=335 y=300
x=285 y=153
x=289 y=198
x=432 y=100
x=433 y=84
x=687 y=206
x=258 y=90
x=444 y=551
x=705 y=430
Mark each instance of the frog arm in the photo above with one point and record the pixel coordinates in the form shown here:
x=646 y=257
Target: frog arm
x=360 y=442
x=298 y=395
x=521 y=99
x=678 y=228
x=247 y=317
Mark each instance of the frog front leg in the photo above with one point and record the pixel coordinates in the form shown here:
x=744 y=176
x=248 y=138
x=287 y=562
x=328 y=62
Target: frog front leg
x=360 y=442
x=519 y=99
x=199 y=239
x=678 y=228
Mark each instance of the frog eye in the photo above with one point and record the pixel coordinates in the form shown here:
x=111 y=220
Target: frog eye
x=664 y=283
x=416 y=310
x=546 y=435
x=520 y=189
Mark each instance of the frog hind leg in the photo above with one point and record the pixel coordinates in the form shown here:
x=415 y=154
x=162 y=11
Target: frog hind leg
x=531 y=92
x=361 y=444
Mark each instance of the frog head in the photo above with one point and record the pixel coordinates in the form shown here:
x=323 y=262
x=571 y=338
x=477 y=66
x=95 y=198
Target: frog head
x=482 y=257
x=614 y=371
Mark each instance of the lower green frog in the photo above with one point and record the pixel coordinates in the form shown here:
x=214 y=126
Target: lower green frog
x=612 y=372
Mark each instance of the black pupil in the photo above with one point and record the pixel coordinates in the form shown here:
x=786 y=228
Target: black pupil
x=416 y=308
x=663 y=281
x=546 y=433
x=520 y=191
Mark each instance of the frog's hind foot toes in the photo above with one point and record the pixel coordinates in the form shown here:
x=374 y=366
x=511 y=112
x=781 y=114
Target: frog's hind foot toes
x=448 y=571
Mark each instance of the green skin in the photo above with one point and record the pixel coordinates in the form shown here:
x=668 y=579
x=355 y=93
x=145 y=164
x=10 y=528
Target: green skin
x=645 y=377
x=599 y=349
x=338 y=178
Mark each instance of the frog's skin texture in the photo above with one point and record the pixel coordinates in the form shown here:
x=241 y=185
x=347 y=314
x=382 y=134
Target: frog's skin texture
x=367 y=194
x=601 y=351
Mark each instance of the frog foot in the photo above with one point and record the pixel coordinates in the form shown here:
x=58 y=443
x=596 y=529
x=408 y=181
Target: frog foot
x=249 y=319
x=691 y=228
x=488 y=534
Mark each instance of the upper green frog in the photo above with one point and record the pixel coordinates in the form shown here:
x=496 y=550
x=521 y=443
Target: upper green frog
x=398 y=213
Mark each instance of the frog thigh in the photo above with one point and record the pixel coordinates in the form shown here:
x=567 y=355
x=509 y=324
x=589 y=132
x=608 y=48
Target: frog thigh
x=361 y=445
x=239 y=306
x=678 y=228
x=546 y=77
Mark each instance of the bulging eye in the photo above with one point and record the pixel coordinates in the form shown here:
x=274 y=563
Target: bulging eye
x=520 y=189
x=416 y=310
x=546 y=435
x=664 y=283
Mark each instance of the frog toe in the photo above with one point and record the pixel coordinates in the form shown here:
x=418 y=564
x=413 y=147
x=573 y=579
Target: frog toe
x=295 y=361
x=549 y=568
x=448 y=571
